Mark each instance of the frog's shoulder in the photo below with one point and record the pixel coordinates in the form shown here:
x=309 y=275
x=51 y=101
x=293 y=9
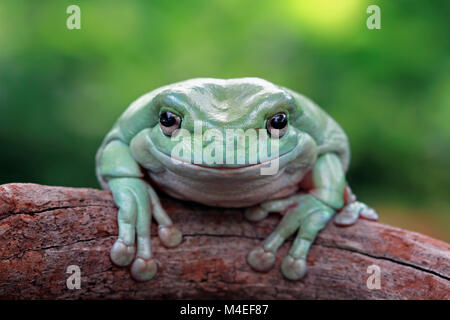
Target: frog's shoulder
x=328 y=134
x=139 y=115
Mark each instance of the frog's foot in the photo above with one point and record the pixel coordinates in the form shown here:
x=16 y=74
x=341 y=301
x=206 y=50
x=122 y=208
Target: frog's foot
x=308 y=216
x=143 y=269
x=352 y=211
x=293 y=268
x=261 y=259
x=256 y=213
x=134 y=218
x=122 y=254
x=137 y=203
x=170 y=236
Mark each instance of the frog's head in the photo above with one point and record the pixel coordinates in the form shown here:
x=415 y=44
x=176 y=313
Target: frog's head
x=222 y=128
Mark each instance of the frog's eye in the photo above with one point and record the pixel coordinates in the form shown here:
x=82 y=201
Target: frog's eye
x=169 y=122
x=277 y=125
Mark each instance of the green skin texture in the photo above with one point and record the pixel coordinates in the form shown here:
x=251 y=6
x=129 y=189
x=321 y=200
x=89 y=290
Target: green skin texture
x=314 y=148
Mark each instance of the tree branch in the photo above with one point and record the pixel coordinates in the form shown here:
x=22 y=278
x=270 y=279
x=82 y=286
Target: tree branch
x=45 y=229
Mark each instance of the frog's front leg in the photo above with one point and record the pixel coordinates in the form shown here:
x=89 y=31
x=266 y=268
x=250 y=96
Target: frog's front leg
x=308 y=217
x=306 y=213
x=137 y=202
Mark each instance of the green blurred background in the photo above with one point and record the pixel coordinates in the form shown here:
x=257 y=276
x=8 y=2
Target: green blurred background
x=61 y=90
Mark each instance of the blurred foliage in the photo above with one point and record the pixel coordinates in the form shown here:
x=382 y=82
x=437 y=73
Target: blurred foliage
x=61 y=90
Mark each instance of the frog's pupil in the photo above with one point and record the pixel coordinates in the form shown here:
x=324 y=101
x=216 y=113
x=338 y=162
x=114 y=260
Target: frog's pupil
x=278 y=121
x=167 y=119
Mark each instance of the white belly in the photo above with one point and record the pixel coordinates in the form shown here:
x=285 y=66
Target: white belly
x=229 y=191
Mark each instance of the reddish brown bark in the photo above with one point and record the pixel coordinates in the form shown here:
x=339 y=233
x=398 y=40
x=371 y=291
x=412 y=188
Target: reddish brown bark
x=45 y=229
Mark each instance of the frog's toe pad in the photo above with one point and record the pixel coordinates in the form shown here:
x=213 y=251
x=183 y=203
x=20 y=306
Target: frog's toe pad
x=293 y=268
x=255 y=213
x=369 y=214
x=143 y=269
x=122 y=253
x=261 y=259
x=170 y=236
x=348 y=216
x=351 y=212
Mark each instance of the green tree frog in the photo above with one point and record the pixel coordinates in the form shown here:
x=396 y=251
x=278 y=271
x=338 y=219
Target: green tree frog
x=193 y=141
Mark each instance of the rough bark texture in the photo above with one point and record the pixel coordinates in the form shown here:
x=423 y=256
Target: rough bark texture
x=45 y=229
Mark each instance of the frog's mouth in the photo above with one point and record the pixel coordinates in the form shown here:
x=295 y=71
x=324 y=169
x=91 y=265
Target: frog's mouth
x=156 y=161
x=228 y=167
x=270 y=167
x=185 y=168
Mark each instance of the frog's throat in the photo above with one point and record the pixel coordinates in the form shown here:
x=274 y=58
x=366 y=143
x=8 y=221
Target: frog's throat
x=151 y=158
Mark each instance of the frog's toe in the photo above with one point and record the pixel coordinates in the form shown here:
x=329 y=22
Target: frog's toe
x=143 y=269
x=351 y=212
x=255 y=213
x=369 y=214
x=293 y=268
x=261 y=259
x=170 y=236
x=122 y=253
x=348 y=216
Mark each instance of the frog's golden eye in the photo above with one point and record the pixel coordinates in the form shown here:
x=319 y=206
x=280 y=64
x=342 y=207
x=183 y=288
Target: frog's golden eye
x=169 y=122
x=277 y=125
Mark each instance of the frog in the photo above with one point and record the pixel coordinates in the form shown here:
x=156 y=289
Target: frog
x=136 y=162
